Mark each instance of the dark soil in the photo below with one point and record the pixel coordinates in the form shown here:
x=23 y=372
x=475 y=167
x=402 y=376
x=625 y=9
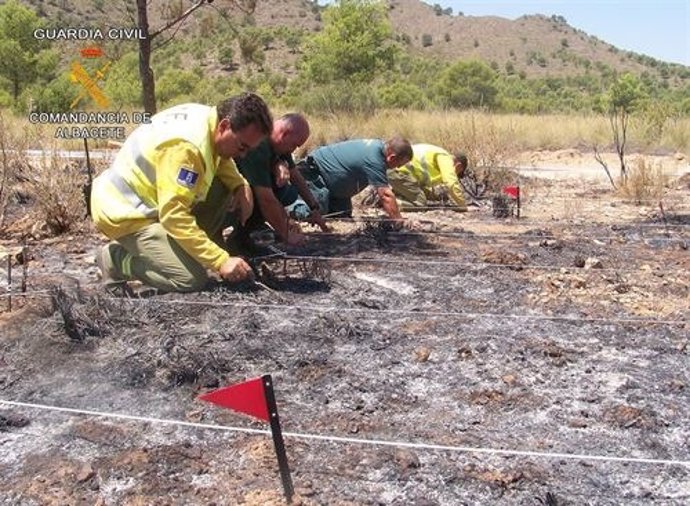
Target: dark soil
x=466 y=341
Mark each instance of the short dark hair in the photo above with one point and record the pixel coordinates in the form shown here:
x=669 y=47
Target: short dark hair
x=399 y=147
x=462 y=158
x=244 y=110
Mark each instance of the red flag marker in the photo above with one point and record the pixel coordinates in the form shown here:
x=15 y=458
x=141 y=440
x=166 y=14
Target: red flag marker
x=247 y=398
x=514 y=192
x=256 y=398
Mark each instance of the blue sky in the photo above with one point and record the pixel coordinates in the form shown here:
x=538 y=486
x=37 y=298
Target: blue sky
x=657 y=28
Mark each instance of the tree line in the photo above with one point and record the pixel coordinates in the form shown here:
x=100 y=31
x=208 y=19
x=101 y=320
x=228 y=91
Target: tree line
x=356 y=63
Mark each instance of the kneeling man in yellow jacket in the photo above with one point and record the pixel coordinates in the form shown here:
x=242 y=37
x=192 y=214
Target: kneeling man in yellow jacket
x=164 y=199
x=431 y=168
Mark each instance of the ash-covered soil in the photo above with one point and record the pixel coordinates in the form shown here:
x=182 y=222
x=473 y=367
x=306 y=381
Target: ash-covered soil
x=540 y=335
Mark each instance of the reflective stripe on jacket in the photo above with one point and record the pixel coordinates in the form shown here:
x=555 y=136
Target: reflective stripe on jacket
x=161 y=171
x=432 y=166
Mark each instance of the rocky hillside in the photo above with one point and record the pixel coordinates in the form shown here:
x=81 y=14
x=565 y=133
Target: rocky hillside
x=534 y=45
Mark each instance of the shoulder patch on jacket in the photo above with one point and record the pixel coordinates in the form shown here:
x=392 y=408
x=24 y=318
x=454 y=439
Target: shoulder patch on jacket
x=187 y=177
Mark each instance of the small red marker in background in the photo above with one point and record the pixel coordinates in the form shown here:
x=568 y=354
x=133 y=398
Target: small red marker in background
x=514 y=192
x=256 y=398
x=91 y=52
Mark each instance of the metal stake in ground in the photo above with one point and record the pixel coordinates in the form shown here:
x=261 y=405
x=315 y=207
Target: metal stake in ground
x=256 y=398
x=25 y=266
x=86 y=189
x=277 y=434
x=9 y=283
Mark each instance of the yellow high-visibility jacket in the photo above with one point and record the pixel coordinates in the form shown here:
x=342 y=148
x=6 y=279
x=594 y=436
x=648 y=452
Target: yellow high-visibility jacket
x=432 y=166
x=161 y=171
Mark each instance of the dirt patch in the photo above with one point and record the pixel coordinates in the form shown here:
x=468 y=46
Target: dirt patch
x=480 y=333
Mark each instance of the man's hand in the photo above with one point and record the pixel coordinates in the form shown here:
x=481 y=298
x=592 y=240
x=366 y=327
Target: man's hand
x=281 y=174
x=235 y=270
x=295 y=236
x=389 y=203
x=242 y=203
x=315 y=218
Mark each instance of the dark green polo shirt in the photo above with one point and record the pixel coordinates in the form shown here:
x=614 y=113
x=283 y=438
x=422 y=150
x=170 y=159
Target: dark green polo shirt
x=257 y=164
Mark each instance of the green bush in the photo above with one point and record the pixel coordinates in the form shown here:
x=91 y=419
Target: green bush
x=336 y=98
x=467 y=84
x=225 y=56
x=213 y=91
x=685 y=107
x=56 y=96
x=122 y=84
x=174 y=84
x=356 y=44
x=401 y=95
x=250 y=47
x=5 y=99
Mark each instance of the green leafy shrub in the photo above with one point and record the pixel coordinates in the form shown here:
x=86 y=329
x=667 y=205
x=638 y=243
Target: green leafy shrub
x=174 y=84
x=122 y=85
x=467 y=84
x=401 y=95
x=335 y=98
x=56 y=96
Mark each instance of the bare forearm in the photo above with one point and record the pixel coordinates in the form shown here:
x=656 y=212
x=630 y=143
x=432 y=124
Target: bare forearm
x=297 y=179
x=389 y=203
x=274 y=213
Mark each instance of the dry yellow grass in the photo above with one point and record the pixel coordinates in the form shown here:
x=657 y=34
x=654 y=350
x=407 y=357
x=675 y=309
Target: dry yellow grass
x=57 y=185
x=54 y=184
x=470 y=131
x=645 y=181
x=513 y=132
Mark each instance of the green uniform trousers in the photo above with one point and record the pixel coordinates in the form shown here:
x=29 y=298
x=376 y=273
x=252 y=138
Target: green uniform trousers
x=406 y=189
x=157 y=260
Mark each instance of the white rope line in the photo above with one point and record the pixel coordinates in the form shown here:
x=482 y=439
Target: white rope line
x=28 y=293
x=632 y=202
x=448 y=263
x=370 y=442
x=425 y=314
x=519 y=221
x=526 y=201
x=513 y=220
x=468 y=234
x=496 y=316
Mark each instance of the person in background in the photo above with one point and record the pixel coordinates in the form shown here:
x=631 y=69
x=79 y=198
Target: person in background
x=432 y=174
x=337 y=172
x=164 y=199
x=280 y=192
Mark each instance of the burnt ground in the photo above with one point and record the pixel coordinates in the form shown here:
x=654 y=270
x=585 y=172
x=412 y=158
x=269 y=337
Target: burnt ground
x=471 y=332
